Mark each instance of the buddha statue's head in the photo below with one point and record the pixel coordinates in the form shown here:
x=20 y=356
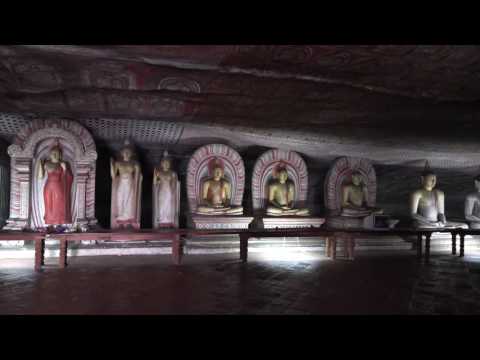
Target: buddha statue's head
x=356 y=178
x=126 y=153
x=165 y=164
x=429 y=180
x=217 y=173
x=282 y=176
x=55 y=154
x=477 y=182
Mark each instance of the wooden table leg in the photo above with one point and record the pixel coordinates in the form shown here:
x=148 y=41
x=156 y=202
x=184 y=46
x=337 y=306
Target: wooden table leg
x=349 y=243
x=63 y=253
x=454 y=243
x=419 y=245
x=462 y=245
x=177 y=250
x=346 y=244
x=351 y=247
x=39 y=254
x=427 y=247
x=244 y=247
x=333 y=245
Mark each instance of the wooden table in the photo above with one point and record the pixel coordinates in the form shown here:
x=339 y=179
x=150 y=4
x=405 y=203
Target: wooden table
x=246 y=234
x=462 y=233
x=176 y=235
x=142 y=235
x=428 y=234
x=349 y=235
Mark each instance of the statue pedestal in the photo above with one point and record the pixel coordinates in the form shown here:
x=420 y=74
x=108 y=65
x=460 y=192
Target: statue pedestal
x=286 y=222
x=345 y=222
x=221 y=222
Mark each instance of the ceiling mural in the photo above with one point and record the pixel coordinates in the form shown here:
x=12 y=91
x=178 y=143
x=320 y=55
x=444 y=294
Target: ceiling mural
x=358 y=98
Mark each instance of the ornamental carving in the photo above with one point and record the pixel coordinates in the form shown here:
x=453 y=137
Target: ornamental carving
x=179 y=84
x=32 y=144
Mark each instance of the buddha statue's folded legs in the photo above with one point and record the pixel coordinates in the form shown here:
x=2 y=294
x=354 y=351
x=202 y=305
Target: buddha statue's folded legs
x=360 y=212
x=438 y=225
x=275 y=211
x=474 y=225
x=206 y=210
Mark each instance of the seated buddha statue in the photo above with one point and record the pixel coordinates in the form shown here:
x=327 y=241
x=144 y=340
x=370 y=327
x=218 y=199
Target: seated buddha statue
x=216 y=194
x=472 y=206
x=281 y=195
x=427 y=205
x=354 y=199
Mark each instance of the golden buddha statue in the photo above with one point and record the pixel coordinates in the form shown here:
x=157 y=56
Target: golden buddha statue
x=281 y=195
x=216 y=195
x=354 y=199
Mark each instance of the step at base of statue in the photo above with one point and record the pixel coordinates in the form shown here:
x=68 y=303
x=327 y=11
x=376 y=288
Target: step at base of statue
x=288 y=222
x=221 y=222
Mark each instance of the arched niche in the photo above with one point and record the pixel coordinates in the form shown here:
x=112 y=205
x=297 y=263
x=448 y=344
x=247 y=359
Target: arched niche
x=263 y=173
x=31 y=145
x=340 y=173
x=199 y=168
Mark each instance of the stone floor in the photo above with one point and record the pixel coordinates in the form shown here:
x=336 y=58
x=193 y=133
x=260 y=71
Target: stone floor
x=386 y=283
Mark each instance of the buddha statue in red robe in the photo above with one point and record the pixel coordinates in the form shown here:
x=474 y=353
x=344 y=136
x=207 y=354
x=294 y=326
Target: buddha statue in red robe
x=57 y=189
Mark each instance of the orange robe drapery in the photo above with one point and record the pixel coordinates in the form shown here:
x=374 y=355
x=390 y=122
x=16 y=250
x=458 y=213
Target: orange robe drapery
x=56 y=195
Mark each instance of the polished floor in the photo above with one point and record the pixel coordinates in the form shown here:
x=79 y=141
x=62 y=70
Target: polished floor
x=389 y=283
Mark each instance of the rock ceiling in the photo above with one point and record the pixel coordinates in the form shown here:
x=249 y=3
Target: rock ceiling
x=390 y=103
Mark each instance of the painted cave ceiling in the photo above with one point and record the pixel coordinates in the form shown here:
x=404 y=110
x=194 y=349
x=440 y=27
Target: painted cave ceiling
x=393 y=104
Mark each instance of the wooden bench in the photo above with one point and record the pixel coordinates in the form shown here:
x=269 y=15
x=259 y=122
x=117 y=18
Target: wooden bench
x=142 y=235
x=350 y=235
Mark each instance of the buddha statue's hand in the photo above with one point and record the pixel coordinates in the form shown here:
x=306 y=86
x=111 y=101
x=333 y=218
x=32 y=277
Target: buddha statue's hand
x=220 y=206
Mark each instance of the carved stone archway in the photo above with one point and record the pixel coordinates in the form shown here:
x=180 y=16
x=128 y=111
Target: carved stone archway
x=31 y=143
x=198 y=170
x=263 y=174
x=341 y=172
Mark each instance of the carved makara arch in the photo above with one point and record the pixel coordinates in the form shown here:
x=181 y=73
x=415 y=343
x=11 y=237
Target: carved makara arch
x=199 y=169
x=263 y=172
x=340 y=172
x=32 y=144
